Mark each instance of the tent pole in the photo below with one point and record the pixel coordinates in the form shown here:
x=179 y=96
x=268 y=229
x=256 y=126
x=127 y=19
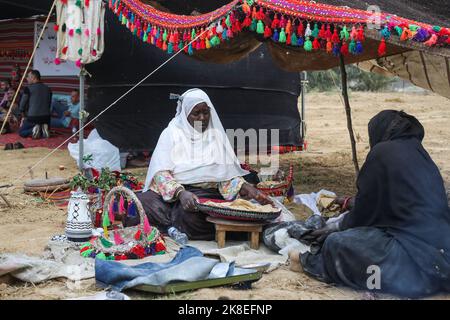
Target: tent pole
x=348 y=113
x=81 y=122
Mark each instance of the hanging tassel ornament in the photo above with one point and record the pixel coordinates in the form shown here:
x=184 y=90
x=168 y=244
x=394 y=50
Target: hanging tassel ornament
x=335 y=37
x=267 y=32
x=316 y=44
x=344 y=49
x=422 y=35
x=308 y=31
x=147 y=227
x=137 y=235
x=56 y=28
x=300 y=29
x=432 y=41
x=118 y=240
x=260 y=27
x=170 y=48
x=328 y=33
x=300 y=41
x=353 y=33
x=247 y=22
x=275 y=36
x=360 y=36
x=315 y=32
x=359 y=47
x=352 y=46
x=386 y=33
x=382 y=48
x=336 y=50
x=253 y=26
x=308 y=46
x=111 y=210
x=282 y=36
x=64 y=50
x=294 y=39
x=344 y=34
x=329 y=46
x=219 y=28
x=406 y=35
x=282 y=22
x=190 y=50
x=288 y=27
x=275 y=22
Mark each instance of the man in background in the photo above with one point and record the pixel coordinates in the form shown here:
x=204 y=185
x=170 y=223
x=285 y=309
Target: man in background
x=35 y=106
x=63 y=120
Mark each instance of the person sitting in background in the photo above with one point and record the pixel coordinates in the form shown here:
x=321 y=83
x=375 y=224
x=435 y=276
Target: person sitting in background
x=35 y=106
x=395 y=238
x=14 y=115
x=63 y=120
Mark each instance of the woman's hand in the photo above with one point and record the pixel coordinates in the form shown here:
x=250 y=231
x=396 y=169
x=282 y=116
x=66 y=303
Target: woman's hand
x=188 y=200
x=250 y=192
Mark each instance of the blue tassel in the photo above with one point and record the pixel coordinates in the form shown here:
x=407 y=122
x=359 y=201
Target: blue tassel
x=131 y=209
x=170 y=48
x=120 y=17
x=275 y=36
x=359 y=47
x=336 y=50
x=180 y=47
x=422 y=35
x=157 y=35
x=149 y=29
x=386 y=33
x=224 y=34
x=190 y=50
x=300 y=41
x=115 y=206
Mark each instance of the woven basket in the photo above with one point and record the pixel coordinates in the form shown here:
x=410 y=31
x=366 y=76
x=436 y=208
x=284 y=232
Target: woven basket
x=233 y=214
x=125 y=243
x=282 y=188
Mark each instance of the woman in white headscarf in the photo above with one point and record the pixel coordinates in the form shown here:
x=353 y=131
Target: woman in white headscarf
x=193 y=159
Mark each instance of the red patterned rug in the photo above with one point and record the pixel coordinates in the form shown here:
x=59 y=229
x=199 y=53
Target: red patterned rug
x=56 y=138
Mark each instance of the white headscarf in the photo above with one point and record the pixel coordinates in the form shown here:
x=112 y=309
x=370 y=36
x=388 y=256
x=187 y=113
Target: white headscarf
x=192 y=156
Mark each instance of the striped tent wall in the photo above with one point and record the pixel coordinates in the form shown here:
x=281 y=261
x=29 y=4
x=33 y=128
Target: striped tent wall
x=16 y=46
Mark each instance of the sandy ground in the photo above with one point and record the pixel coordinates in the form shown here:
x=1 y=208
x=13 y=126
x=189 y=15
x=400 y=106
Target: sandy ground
x=27 y=227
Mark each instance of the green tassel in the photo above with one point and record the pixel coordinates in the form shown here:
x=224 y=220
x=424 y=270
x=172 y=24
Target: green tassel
x=260 y=27
x=253 y=25
x=87 y=253
x=344 y=33
x=398 y=30
x=352 y=47
x=215 y=41
x=170 y=48
x=294 y=39
x=164 y=37
x=101 y=256
x=110 y=257
x=180 y=45
x=160 y=252
x=124 y=20
x=413 y=27
x=152 y=235
x=228 y=21
x=78 y=31
x=145 y=37
x=308 y=45
x=106 y=243
x=80 y=51
x=106 y=222
x=437 y=29
x=315 y=32
x=78 y=3
x=282 y=38
x=193 y=34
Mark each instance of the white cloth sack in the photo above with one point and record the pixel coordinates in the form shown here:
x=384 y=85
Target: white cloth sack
x=104 y=154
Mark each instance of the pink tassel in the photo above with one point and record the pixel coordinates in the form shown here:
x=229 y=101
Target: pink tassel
x=57 y=61
x=78 y=63
x=121 y=205
x=71 y=32
x=432 y=41
x=147 y=227
x=86 y=32
x=117 y=238
x=99 y=31
x=111 y=211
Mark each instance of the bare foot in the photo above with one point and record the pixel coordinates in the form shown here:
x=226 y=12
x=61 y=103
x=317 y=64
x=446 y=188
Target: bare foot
x=294 y=259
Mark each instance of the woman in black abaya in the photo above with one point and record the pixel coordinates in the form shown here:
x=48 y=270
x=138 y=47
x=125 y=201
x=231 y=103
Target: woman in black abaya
x=396 y=237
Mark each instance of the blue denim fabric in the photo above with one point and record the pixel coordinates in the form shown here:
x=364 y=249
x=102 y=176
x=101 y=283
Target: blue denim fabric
x=120 y=276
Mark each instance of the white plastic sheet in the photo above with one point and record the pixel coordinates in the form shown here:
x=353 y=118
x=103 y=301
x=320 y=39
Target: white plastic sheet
x=104 y=154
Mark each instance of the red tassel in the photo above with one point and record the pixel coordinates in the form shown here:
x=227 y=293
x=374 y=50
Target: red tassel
x=322 y=32
x=344 y=49
x=147 y=227
x=64 y=50
x=360 y=37
x=267 y=32
x=382 y=48
x=432 y=41
x=56 y=28
x=203 y=44
x=137 y=235
x=335 y=37
x=275 y=22
x=261 y=15
x=328 y=33
x=316 y=44
x=86 y=3
x=117 y=238
x=300 y=29
x=283 y=22
x=247 y=22
x=288 y=39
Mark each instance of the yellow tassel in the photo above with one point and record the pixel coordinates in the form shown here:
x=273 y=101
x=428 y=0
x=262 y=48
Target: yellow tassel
x=208 y=44
x=105 y=232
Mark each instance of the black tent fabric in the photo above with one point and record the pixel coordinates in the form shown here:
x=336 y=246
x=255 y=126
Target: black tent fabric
x=250 y=93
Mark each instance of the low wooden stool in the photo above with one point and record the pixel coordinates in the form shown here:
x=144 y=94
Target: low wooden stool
x=222 y=226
